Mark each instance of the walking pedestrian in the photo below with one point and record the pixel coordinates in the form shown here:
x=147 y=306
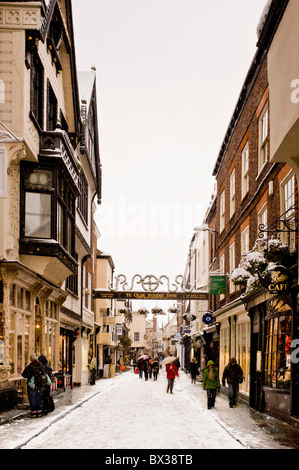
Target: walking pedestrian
x=92 y=369
x=211 y=383
x=203 y=365
x=140 y=367
x=48 y=403
x=193 y=369
x=177 y=363
x=155 y=368
x=172 y=372
x=145 y=369
x=233 y=373
x=150 y=367
x=34 y=374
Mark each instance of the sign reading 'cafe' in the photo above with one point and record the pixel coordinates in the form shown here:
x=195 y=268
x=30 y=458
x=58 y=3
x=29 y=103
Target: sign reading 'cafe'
x=277 y=280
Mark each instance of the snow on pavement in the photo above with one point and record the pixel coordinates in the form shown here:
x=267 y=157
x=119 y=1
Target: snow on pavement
x=126 y=412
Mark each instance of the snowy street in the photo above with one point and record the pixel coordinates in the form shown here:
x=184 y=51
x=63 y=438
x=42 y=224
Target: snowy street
x=126 y=412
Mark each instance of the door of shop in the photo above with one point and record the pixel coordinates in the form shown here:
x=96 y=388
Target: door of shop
x=64 y=376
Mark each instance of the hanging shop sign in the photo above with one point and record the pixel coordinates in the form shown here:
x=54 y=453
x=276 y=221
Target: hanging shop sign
x=189 y=317
x=277 y=279
x=105 y=294
x=119 y=330
x=217 y=285
x=109 y=320
x=207 y=318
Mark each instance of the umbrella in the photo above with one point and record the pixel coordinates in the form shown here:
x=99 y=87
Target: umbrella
x=167 y=360
x=144 y=356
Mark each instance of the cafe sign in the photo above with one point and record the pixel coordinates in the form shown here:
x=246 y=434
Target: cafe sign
x=277 y=280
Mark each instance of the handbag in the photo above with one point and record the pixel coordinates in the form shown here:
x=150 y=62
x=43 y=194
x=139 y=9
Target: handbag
x=136 y=370
x=49 y=381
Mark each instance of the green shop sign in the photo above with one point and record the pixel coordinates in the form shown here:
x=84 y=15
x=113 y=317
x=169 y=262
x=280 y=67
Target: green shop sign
x=217 y=285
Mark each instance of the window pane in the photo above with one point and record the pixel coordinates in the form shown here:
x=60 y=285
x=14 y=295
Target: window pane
x=69 y=236
x=20 y=297
x=27 y=300
x=1 y=340
x=38 y=215
x=60 y=224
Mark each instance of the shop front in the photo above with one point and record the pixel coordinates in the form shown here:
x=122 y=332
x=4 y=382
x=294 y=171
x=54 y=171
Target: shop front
x=235 y=341
x=274 y=387
x=66 y=357
x=29 y=323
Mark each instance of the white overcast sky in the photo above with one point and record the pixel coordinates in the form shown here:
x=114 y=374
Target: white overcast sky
x=169 y=73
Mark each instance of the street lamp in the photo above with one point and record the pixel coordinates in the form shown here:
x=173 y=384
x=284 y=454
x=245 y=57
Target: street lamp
x=204 y=228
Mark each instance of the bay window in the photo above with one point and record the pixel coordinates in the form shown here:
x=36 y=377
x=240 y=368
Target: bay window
x=47 y=207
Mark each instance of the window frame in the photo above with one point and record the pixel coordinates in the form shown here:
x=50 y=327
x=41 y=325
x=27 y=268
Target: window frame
x=232 y=188
x=262 y=218
x=222 y=210
x=52 y=108
x=82 y=203
x=37 y=75
x=263 y=138
x=245 y=171
x=287 y=202
x=245 y=241
x=28 y=187
x=232 y=266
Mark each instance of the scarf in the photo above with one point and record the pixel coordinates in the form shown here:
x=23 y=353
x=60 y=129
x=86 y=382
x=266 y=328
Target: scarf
x=211 y=375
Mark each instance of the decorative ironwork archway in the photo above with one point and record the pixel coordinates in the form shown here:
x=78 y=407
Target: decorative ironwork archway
x=150 y=284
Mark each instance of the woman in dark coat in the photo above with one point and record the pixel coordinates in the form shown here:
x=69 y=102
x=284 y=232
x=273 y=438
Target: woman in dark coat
x=140 y=367
x=155 y=368
x=145 y=368
x=48 y=403
x=193 y=370
x=35 y=395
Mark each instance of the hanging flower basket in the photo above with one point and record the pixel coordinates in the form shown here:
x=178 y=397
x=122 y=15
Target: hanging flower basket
x=124 y=311
x=250 y=270
x=173 y=310
x=143 y=311
x=157 y=311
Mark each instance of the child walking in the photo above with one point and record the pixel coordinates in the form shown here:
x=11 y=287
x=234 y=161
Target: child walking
x=211 y=383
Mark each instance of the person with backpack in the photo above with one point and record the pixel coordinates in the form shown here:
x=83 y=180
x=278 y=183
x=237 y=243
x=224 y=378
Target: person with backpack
x=48 y=403
x=36 y=379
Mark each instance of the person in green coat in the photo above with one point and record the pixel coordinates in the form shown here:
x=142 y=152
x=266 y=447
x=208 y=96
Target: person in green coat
x=211 y=383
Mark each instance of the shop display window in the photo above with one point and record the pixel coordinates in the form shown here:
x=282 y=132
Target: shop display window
x=277 y=370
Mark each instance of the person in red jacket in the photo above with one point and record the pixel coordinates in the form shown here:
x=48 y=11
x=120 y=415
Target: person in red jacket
x=172 y=372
